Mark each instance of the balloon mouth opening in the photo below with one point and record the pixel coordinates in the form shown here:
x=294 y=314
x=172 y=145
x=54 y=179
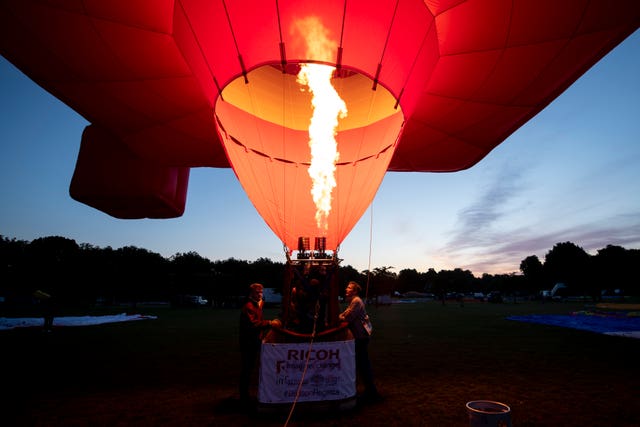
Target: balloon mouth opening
x=270 y=96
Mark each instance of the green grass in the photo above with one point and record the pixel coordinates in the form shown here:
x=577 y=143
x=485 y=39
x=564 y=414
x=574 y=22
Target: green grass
x=429 y=360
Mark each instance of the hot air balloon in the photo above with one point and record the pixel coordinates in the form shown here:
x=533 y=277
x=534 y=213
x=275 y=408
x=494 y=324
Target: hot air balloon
x=170 y=85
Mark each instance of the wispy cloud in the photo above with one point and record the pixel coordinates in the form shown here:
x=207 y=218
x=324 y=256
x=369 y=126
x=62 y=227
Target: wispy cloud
x=475 y=222
x=504 y=250
x=482 y=242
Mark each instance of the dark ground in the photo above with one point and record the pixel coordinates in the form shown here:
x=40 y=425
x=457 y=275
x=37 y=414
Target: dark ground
x=181 y=370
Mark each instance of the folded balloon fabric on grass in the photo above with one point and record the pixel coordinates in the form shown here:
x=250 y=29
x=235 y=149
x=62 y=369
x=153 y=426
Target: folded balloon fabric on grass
x=25 y=322
x=621 y=324
x=627 y=325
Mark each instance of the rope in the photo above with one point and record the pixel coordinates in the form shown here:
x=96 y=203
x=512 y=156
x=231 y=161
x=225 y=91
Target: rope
x=306 y=363
x=366 y=292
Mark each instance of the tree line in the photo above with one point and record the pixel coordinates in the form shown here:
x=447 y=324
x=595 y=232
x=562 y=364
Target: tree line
x=82 y=274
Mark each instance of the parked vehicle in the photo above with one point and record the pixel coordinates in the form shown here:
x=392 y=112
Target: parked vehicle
x=195 y=300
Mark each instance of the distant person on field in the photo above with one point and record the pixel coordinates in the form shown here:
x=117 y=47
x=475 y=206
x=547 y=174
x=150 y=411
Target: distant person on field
x=46 y=306
x=354 y=315
x=252 y=329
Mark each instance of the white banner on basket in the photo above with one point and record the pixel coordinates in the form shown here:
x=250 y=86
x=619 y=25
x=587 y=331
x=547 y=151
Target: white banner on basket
x=330 y=373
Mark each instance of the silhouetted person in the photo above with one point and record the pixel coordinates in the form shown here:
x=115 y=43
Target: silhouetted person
x=252 y=330
x=354 y=314
x=47 y=309
x=308 y=307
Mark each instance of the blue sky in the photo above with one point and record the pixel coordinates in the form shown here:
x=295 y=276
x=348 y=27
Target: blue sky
x=572 y=173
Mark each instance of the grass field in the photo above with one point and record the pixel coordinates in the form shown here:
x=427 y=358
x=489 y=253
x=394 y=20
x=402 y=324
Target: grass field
x=181 y=369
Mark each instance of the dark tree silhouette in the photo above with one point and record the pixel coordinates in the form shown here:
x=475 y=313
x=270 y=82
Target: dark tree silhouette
x=533 y=271
x=614 y=267
x=568 y=263
x=410 y=280
x=56 y=259
x=85 y=274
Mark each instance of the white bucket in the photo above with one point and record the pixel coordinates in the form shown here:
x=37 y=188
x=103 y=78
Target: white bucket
x=486 y=413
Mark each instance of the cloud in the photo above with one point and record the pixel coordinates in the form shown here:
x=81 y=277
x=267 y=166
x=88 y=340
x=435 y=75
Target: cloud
x=475 y=223
x=621 y=230
x=482 y=242
x=505 y=250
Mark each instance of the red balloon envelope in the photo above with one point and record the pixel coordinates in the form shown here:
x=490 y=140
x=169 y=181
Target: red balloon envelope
x=430 y=86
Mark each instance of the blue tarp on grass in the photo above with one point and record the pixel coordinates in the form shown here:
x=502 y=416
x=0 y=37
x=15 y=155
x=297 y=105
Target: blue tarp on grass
x=628 y=326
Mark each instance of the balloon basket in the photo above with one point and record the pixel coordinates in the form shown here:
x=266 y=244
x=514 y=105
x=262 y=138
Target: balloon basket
x=486 y=413
x=318 y=375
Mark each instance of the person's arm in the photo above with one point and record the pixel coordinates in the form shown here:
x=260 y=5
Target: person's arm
x=256 y=319
x=254 y=315
x=352 y=311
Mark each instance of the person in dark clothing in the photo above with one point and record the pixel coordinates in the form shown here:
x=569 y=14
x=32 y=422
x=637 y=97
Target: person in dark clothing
x=47 y=307
x=252 y=329
x=354 y=315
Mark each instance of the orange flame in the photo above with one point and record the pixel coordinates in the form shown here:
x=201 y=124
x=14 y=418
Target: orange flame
x=327 y=108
